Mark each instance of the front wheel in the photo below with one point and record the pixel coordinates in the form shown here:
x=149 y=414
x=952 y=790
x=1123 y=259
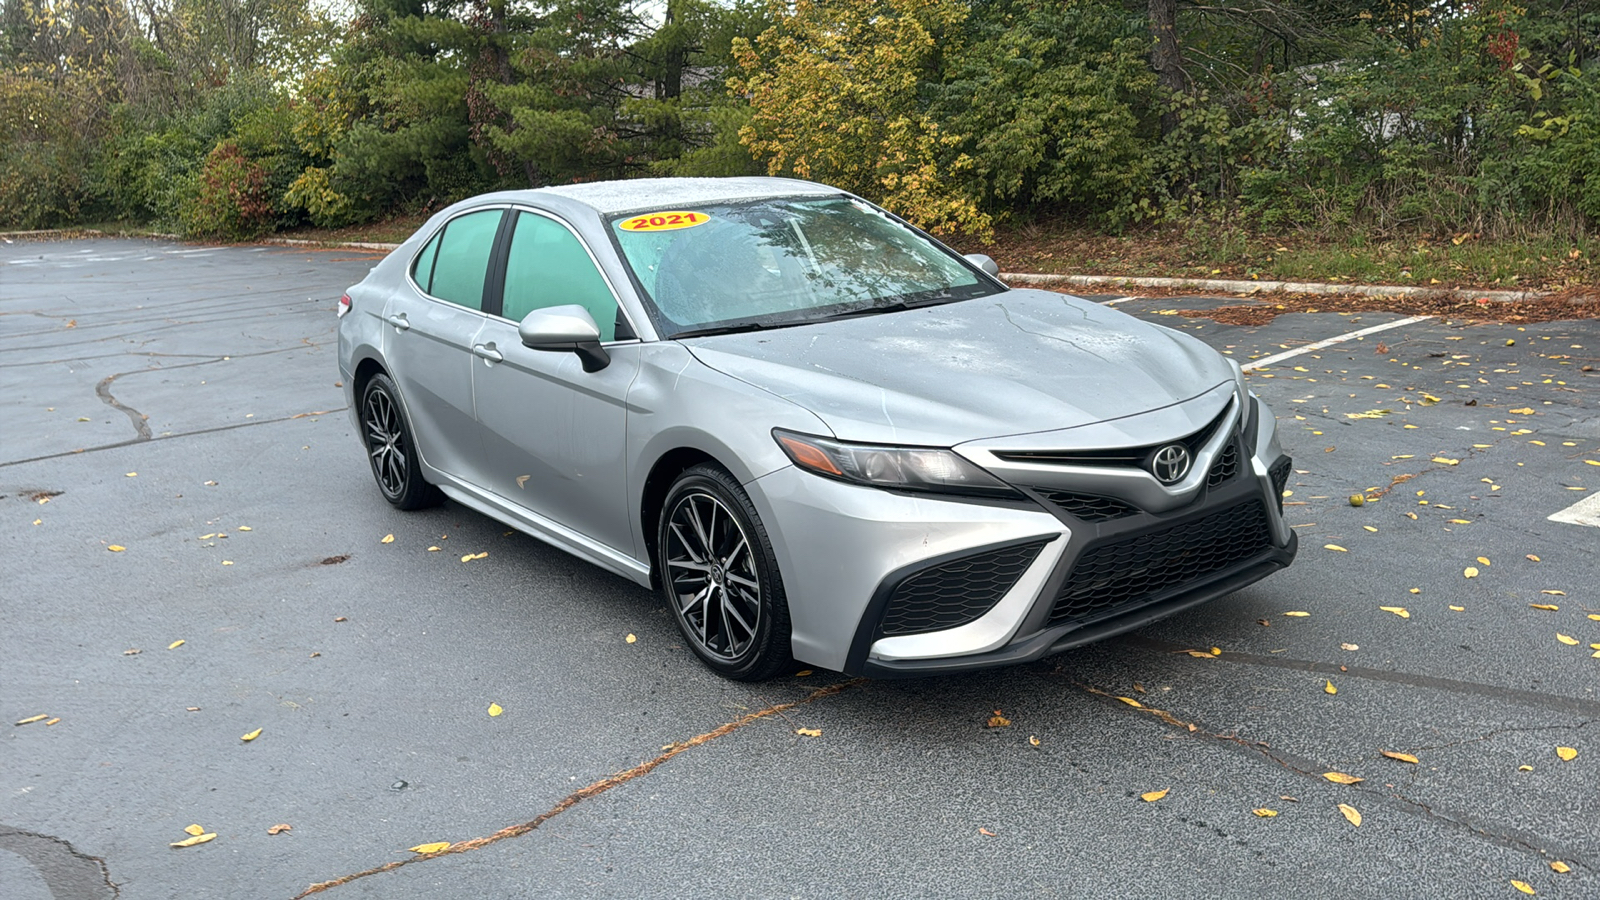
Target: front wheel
x=390 y=448
x=720 y=577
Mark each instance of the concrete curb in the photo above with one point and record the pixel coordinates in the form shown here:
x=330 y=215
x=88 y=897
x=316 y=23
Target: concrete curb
x=1228 y=286
x=357 y=245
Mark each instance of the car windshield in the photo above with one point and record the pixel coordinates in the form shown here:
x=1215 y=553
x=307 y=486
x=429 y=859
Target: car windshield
x=779 y=262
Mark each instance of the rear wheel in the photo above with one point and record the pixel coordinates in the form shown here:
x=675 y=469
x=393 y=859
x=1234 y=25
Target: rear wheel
x=720 y=577
x=390 y=448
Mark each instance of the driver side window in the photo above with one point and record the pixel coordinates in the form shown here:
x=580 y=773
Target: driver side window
x=548 y=266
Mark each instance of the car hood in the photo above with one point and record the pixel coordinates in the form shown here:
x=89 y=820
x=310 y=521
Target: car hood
x=1020 y=362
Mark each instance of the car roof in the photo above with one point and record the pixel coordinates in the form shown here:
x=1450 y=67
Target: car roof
x=613 y=197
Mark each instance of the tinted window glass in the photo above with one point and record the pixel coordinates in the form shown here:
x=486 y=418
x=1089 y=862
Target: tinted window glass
x=422 y=266
x=463 y=258
x=548 y=266
x=785 y=262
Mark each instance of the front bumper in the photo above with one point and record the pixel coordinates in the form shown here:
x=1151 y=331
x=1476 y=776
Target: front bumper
x=890 y=585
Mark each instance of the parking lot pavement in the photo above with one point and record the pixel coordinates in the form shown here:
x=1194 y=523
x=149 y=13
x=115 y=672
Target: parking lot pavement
x=179 y=402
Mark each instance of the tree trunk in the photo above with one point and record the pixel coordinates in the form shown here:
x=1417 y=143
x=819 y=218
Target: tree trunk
x=1166 y=57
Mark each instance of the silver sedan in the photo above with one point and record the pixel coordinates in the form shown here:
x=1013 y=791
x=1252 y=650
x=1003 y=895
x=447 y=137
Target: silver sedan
x=818 y=433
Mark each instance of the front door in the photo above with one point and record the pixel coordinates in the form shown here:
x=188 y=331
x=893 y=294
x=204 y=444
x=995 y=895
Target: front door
x=553 y=433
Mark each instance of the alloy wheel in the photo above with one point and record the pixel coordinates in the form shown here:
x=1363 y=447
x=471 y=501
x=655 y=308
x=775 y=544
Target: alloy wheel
x=712 y=576
x=385 y=442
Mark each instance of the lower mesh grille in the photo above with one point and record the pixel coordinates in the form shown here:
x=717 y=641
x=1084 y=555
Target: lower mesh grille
x=1088 y=507
x=957 y=592
x=1227 y=464
x=1279 y=473
x=1135 y=570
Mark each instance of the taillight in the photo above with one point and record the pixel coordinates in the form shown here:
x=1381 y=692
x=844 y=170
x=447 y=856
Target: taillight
x=344 y=305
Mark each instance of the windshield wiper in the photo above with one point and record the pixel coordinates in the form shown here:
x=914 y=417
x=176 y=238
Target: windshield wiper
x=944 y=296
x=734 y=328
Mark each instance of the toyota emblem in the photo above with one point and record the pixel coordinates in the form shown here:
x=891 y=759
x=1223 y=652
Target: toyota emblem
x=1170 y=463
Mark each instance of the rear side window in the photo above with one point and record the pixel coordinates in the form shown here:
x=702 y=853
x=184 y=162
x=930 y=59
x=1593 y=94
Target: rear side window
x=461 y=260
x=422 y=266
x=549 y=266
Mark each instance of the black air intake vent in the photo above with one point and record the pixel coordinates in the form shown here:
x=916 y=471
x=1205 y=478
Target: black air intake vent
x=956 y=592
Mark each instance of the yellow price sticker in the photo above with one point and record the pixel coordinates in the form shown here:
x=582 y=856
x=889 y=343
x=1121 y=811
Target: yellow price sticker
x=665 y=221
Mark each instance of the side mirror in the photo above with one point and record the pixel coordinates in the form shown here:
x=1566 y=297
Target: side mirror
x=983 y=262
x=565 y=328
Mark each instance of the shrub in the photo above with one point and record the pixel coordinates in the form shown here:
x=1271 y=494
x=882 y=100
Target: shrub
x=232 y=200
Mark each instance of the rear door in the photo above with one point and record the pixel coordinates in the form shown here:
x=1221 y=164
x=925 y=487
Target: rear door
x=433 y=325
x=553 y=433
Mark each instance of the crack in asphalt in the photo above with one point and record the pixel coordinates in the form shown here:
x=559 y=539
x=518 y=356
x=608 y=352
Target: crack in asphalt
x=173 y=436
x=1501 y=835
x=66 y=871
x=141 y=422
x=1575 y=705
x=591 y=790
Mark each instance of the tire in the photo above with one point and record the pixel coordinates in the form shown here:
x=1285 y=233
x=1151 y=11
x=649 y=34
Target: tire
x=390 y=448
x=713 y=593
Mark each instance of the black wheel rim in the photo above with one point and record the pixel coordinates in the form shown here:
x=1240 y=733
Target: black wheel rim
x=711 y=576
x=386 y=444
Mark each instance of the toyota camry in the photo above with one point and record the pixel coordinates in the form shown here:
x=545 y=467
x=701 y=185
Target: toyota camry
x=816 y=432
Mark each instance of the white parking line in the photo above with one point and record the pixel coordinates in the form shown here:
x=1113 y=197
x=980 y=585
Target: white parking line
x=1118 y=300
x=1584 y=512
x=1349 y=336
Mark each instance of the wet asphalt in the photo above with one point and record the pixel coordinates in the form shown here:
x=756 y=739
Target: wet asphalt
x=179 y=402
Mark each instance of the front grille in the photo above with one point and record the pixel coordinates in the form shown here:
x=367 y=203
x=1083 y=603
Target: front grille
x=958 y=592
x=1088 y=507
x=1135 y=570
x=1227 y=463
x=1279 y=473
x=1123 y=457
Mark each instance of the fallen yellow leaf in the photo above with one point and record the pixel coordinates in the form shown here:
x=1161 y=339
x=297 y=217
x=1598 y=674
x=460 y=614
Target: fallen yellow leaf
x=495 y=710
x=1484 y=560
x=985 y=832
x=279 y=829
x=1400 y=611
x=1297 y=614
x=1459 y=608
x=1549 y=606
x=808 y=732
x=31 y=719
x=1559 y=867
x=632 y=638
x=1569 y=641
x=1200 y=654
x=1265 y=813
x=1334 y=547
x=1470 y=572
x=433 y=549
x=1555 y=593
x=1153 y=796
x=1216 y=651
x=472 y=556
x=1594 y=617
x=999 y=721
x=251 y=736
x=1328 y=688
x=1403 y=757
x=387 y=539
x=116 y=548
x=1416 y=590
x=1351 y=814
x=176 y=644
x=49 y=722
x=1132 y=702
x=195 y=830
x=1567 y=754
x=1341 y=778
x=1033 y=739
x=434 y=847
x=197 y=839
x=1445 y=461
x=244 y=528
x=1522 y=886
x=802 y=673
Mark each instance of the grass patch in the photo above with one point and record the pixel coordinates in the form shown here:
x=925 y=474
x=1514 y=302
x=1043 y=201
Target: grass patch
x=1534 y=263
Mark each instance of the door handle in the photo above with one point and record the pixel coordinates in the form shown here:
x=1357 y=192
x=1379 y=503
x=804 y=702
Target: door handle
x=399 y=321
x=487 y=351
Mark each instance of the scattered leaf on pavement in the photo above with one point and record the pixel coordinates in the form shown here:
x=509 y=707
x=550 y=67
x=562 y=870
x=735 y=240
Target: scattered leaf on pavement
x=1567 y=754
x=251 y=736
x=1298 y=614
x=1033 y=739
x=1334 y=547
x=116 y=548
x=1341 y=778
x=1265 y=813
x=1569 y=641
x=1522 y=886
x=1400 y=611
x=1549 y=606
x=1554 y=593
x=1132 y=702
x=280 y=829
x=1349 y=646
x=1559 y=867
x=1470 y=572
x=434 y=847
x=387 y=539
x=802 y=673
x=1532 y=558
x=495 y=710
x=1445 y=461
x=195 y=830
x=999 y=721
x=1153 y=796
x=197 y=839
x=472 y=556
x=31 y=719
x=1403 y=757
x=176 y=644
x=808 y=732
x=1459 y=608
x=1328 y=688
x=1351 y=814
x=985 y=832
x=632 y=638
x=1484 y=560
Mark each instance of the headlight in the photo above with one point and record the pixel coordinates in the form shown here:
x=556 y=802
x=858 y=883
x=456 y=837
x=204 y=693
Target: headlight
x=931 y=469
